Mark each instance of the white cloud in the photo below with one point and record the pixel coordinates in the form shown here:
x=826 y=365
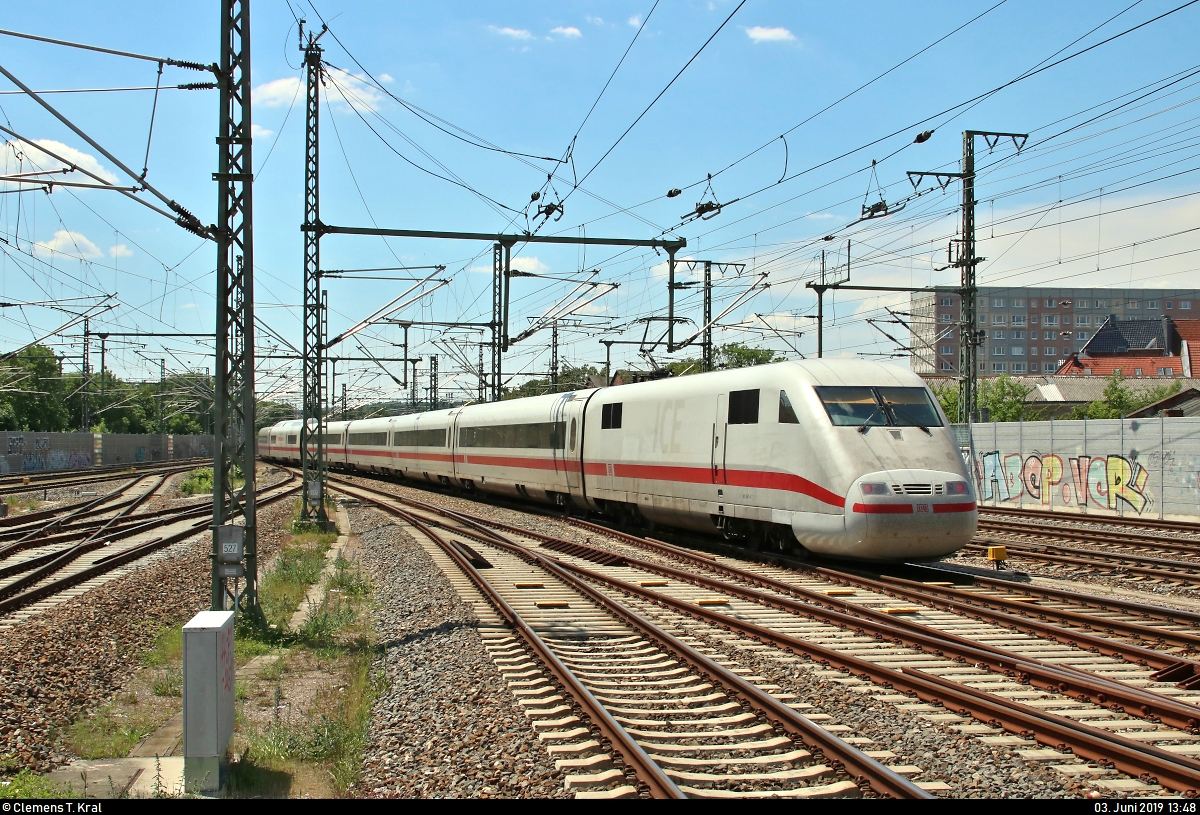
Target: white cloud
x=258 y=132
x=529 y=264
x=353 y=90
x=276 y=93
x=819 y=216
x=84 y=161
x=760 y=33
x=635 y=20
x=570 y=31
x=120 y=250
x=74 y=244
x=515 y=33
x=593 y=20
x=385 y=78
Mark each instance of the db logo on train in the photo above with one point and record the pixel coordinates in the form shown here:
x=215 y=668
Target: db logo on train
x=920 y=507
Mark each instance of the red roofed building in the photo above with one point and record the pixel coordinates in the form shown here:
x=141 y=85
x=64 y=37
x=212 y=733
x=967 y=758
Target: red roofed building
x=1189 y=335
x=1161 y=347
x=1128 y=365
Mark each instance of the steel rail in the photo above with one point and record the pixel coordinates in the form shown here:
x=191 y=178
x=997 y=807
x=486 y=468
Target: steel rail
x=81 y=480
x=19 y=531
x=1080 y=639
x=1087 y=517
x=1113 y=537
x=881 y=779
x=1155 y=764
x=656 y=782
x=1126 y=754
x=1182 y=639
x=110 y=562
x=1069 y=681
x=1102 y=602
x=1178 y=772
x=36 y=477
x=1190 y=570
x=75 y=531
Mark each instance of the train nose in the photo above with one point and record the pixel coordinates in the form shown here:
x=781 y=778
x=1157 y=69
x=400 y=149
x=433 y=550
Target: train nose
x=911 y=514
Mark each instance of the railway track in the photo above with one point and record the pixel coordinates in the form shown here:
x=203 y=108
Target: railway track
x=1126 y=521
x=59 y=479
x=628 y=703
x=967 y=660
x=1103 y=562
x=47 y=560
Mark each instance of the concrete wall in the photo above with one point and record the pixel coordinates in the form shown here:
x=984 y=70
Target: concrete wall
x=22 y=452
x=1132 y=467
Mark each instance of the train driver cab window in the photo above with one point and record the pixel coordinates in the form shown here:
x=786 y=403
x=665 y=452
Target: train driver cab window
x=572 y=435
x=867 y=407
x=909 y=407
x=610 y=416
x=787 y=414
x=851 y=406
x=743 y=407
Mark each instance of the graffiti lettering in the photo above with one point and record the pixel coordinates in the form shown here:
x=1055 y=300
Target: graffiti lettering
x=1106 y=482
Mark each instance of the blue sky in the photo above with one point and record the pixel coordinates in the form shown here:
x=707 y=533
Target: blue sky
x=522 y=76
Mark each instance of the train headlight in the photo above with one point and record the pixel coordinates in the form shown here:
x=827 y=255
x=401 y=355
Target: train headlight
x=957 y=488
x=874 y=488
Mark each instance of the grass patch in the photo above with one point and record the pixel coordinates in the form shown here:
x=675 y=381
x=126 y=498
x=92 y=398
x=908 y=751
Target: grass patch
x=16 y=504
x=200 y=481
x=28 y=784
x=298 y=567
x=318 y=752
x=108 y=732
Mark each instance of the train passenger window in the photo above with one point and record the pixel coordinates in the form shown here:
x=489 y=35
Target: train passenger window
x=610 y=416
x=425 y=437
x=572 y=435
x=370 y=439
x=910 y=407
x=293 y=439
x=787 y=414
x=534 y=435
x=743 y=407
x=851 y=406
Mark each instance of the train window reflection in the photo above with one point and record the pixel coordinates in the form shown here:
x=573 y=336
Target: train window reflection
x=787 y=414
x=910 y=407
x=851 y=406
x=536 y=435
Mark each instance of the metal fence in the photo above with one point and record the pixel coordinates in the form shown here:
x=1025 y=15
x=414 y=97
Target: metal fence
x=22 y=452
x=1137 y=467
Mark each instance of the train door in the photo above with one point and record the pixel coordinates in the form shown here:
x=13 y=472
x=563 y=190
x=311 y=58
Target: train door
x=720 y=428
x=572 y=423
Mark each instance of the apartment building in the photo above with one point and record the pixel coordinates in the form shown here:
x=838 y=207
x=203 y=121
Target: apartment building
x=1030 y=330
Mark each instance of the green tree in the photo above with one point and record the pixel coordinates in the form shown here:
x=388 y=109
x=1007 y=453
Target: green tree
x=1004 y=399
x=34 y=396
x=1119 y=401
x=268 y=413
x=740 y=355
x=946 y=392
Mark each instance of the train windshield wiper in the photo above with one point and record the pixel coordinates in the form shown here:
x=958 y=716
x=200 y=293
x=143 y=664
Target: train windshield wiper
x=913 y=421
x=862 y=428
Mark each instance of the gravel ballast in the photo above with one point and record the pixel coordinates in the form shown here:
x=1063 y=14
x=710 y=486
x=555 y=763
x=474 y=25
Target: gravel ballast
x=68 y=660
x=445 y=725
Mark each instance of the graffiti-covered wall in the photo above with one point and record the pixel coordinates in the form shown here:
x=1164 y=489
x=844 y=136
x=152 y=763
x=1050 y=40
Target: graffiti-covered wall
x=1143 y=467
x=28 y=452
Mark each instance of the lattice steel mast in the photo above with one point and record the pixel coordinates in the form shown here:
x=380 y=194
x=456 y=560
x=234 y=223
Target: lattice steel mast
x=312 y=437
x=233 y=406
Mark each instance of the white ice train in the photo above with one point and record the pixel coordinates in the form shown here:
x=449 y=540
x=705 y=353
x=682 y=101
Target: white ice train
x=845 y=458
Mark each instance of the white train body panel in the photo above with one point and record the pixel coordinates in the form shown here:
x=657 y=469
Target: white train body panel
x=690 y=452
